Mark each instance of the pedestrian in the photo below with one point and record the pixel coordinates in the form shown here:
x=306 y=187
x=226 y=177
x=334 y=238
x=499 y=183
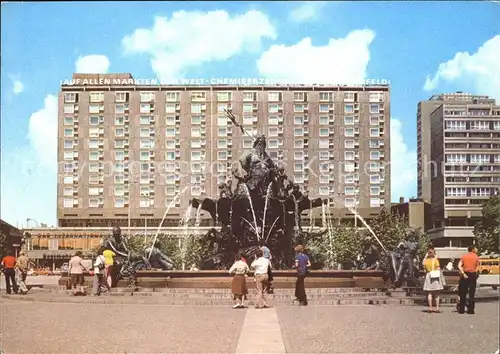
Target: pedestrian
x=449 y=266
x=100 y=281
x=8 y=266
x=76 y=269
x=302 y=263
x=239 y=288
x=267 y=254
x=22 y=265
x=433 y=283
x=109 y=261
x=468 y=268
x=260 y=266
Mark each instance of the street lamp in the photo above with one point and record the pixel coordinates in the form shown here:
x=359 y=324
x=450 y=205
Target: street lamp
x=37 y=224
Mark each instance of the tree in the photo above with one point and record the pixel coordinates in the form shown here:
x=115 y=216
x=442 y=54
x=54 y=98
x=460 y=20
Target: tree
x=487 y=230
x=390 y=229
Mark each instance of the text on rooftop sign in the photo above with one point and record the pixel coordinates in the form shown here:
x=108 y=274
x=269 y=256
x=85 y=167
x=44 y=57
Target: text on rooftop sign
x=201 y=82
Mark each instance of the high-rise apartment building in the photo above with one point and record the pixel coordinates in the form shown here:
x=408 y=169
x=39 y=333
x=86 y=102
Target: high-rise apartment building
x=465 y=166
x=126 y=149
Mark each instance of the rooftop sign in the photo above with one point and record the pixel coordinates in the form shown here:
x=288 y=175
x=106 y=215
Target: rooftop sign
x=205 y=82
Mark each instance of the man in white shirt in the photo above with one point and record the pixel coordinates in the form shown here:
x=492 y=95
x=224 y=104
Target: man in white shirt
x=100 y=281
x=260 y=266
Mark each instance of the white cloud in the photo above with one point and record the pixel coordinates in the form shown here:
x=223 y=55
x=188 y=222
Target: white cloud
x=188 y=39
x=17 y=85
x=479 y=71
x=42 y=133
x=341 y=61
x=403 y=164
x=306 y=11
x=29 y=184
x=92 y=64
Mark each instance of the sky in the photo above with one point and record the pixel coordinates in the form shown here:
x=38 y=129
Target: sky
x=423 y=48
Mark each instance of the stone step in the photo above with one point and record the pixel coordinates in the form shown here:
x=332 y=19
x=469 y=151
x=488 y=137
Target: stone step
x=140 y=300
x=221 y=295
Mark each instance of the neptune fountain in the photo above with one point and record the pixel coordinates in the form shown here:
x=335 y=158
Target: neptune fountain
x=265 y=207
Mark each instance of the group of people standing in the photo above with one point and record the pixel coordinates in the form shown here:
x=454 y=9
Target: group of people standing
x=102 y=267
x=263 y=277
x=15 y=271
x=435 y=281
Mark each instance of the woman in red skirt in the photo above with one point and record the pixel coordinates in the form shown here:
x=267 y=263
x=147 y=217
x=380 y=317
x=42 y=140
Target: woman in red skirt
x=239 y=287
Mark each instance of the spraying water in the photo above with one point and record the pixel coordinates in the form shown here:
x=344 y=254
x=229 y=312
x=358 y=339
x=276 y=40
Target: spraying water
x=247 y=193
x=311 y=218
x=198 y=217
x=265 y=208
x=367 y=226
x=184 y=223
x=324 y=222
x=172 y=203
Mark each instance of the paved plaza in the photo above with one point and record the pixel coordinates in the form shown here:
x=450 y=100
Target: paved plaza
x=28 y=327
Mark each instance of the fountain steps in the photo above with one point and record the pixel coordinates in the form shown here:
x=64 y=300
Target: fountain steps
x=133 y=299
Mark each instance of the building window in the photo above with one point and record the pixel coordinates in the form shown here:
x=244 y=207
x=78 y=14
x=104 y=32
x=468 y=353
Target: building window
x=195 y=132
x=119 y=155
x=93 y=203
x=299 y=96
x=324 y=143
x=324 y=132
x=349 y=120
x=349 y=132
x=96 y=96
x=68 y=132
x=349 y=108
x=375 y=202
x=93 y=155
x=298 y=144
x=249 y=96
x=222 y=155
x=374 y=108
x=375 y=190
x=374 y=132
x=94 y=191
x=349 y=202
x=374 y=144
x=172 y=96
x=349 y=144
x=93 y=144
x=348 y=179
x=93 y=167
x=145 y=108
x=144 y=120
x=95 y=108
x=324 y=155
x=349 y=155
x=196 y=108
x=298 y=131
x=274 y=108
x=376 y=96
x=274 y=96
x=170 y=108
x=273 y=120
x=119 y=120
x=349 y=191
x=70 y=97
x=68 y=203
x=221 y=143
x=324 y=167
x=298 y=155
x=456 y=158
x=374 y=121
x=247 y=144
x=69 y=108
x=195 y=155
x=324 y=120
x=325 y=96
x=324 y=179
x=299 y=120
x=374 y=167
x=169 y=132
x=273 y=131
x=298 y=167
x=456 y=192
x=299 y=108
x=68 y=191
x=324 y=190
x=119 y=179
x=298 y=178
x=224 y=96
x=69 y=144
x=374 y=155
x=273 y=143
x=147 y=96
x=119 y=132
x=349 y=96
x=119 y=203
x=119 y=190
x=120 y=96
x=144 y=132
x=69 y=120
x=349 y=167
x=324 y=108
x=374 y=179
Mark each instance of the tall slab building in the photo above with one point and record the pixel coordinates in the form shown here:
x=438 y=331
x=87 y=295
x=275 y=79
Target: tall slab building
x=127 y=149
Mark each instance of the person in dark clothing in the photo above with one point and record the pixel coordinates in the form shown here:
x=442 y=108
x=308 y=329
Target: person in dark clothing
x=469 y=272
x=9 y=270
x=302 y=263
